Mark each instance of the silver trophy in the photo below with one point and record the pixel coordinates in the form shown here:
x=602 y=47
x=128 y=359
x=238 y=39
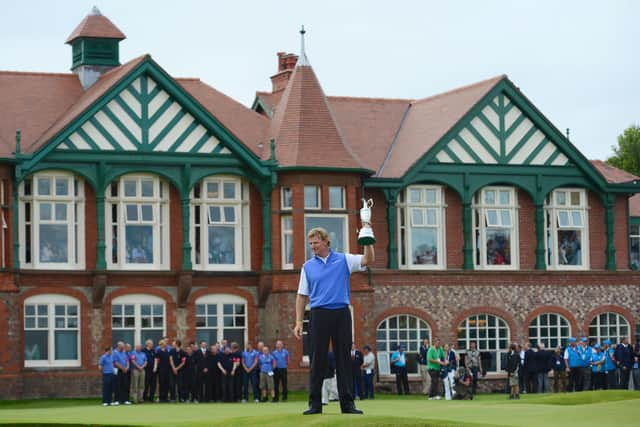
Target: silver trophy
x=365 y=236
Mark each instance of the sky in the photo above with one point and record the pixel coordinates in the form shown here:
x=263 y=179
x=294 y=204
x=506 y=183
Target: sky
x=577 y=61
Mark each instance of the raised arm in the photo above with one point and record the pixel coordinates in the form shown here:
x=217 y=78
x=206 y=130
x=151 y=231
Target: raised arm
x=369 y=256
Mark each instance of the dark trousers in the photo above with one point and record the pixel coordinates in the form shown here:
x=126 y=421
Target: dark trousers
x=186 y=381
x=150 y=379
x=173 y=386
x=250 y=379
x=624 y=374
x=122 y=387
x=227 y=387
x=214 y=386
x=368 y=386
x=108 y=381
x=164 y=382
x=585 y=373
x=280 y=377
x=357 y=382
x=237 y=386
x=334 y=325
x=610 y=381
x=531 y=382
x=402 y=380
x=435 y=379
x=201 y=386
x=575 y=380
x=475 y=373
x=598 y=380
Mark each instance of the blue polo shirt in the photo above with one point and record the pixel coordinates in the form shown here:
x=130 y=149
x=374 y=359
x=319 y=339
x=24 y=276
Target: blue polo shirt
x=121 y=358
x=266 y=363
x=139 y=356
x=282 y=358
x=595 y=358
x=249 y=357
x=585 y=356
x=326 y=281
x=609 y=364
x=401 y=359
x=573 y=357
x=106 y=363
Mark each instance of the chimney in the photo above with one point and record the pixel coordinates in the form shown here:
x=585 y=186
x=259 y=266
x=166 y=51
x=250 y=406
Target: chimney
x=286 y=64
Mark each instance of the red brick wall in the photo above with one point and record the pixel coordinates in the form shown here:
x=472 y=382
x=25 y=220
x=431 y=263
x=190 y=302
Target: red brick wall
x=597 y=232
x=453 y=233
x=380 y=226
x=90 y=227
x=527 y=231
x=255 y=218
x=621 y=232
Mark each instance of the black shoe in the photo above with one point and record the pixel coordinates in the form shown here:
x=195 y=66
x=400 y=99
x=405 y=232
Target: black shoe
x=312 y=411
x=351 y=410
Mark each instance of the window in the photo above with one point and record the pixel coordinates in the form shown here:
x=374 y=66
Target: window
x=495 y=222
x=220 y=224
x=306 y=339
x=336 y=198
x=491 y=335
x=221 y=317
x=566 y=229
x=403 y=329
x=551 y=329
x=421 y=227
x=336 y=226
x=51 y=221
x=3 y=231
x=287 y=242
x=137 y=212
x=51 y=331
x=136 y=318
x=286 y=196
x=311 y=197
x=634 y=246
x=609 y=326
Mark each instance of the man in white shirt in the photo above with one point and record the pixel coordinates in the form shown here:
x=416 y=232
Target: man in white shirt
x=368 y=369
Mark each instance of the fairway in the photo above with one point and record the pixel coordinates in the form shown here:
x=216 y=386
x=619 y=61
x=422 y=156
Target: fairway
x=619 y=408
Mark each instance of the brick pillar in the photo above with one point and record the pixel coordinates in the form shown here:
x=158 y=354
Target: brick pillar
x=609 y=219
x=539 y=220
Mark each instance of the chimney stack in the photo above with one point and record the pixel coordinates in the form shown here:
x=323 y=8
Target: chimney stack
x=286 y=64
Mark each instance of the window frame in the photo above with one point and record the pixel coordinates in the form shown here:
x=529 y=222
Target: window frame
x=405 y=225
x=480 y=211
x=328 y=215
x=242 y=224
x=220 y=300
x=137 y=300
x=75 y=220
x=286 y=232
x=160 y=203
x=498 y=351
x=283 y=206
x=51 y=300
x=343 y=199
x=562 y=339
x=634 y=238
x=318 y=198
x=409 y=351
x=552 y=213
x=618 y=325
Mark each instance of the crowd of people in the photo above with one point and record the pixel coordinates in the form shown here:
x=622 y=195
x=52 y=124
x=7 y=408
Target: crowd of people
x=219 y=372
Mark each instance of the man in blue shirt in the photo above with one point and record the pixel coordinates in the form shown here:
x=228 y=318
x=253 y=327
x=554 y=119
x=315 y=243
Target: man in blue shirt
x=280 y=372
x=585 y=366
x=250 y=373
x=324 y=282
x=609 y=365
x=138 y=367
x=399 y=361
x=108 y=379
x=121 y=362
x=573 y=360
x=267 y=364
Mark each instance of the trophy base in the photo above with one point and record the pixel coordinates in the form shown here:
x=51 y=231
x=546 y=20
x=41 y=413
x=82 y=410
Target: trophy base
x=366 y=240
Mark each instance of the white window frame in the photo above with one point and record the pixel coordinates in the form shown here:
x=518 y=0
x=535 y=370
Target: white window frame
x=283 y=190
x=286 y=232
x=75 y=221
x=556 y=328
x=242 y=236
x=343 y=200
x=480 y=212
x=329 y=215
x=634 y=237
x=220 y=300
x=160 y=223
x=409 y=349
x=137 y=300
x=305 y=330
x=318 y=197
x=405 y=208
x=480 y=341
x=620 y=322
x=552 y=212
x=51 y=300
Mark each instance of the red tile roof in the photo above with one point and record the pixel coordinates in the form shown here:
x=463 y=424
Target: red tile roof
x=612 y=174
x=634 y=205
x=305 y=128
x=96 y=26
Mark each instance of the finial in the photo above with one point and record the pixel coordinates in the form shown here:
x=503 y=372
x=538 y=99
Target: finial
x=95 y=11
x=272 y=147
x=567 y=133
x=18 y=138
x=302 y=59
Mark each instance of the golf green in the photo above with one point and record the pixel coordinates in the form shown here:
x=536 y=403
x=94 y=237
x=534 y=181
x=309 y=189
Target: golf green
x=605 y=408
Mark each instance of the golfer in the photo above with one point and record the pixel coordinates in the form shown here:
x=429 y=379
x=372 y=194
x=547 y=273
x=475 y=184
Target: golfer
x=324 y=281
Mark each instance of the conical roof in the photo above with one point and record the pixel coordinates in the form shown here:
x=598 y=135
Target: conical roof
x=96 y=25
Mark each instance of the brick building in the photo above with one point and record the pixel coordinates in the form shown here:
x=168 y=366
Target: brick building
x=137 y=204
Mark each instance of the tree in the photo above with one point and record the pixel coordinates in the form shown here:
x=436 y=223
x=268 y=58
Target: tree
x=627 y=153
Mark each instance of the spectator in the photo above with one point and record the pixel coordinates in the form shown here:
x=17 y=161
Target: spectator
x=105 y=366
x=267 y=364
x=329 y=385
x=559 y=371
x=529 y=369
x=121 y=362
x=449 y=371
x=163 y=370
x=280 y=373
x=128 y=351
x=399 y=361
x=422 y=366
x=250 y=373
x=573 y=361
x=473 y=362
x=356 y=371
x=202 y=371
x=435 y=361
x=214 y=375
x=584 y=370
x=462 y=388
x=236 y=372
x=543 y=362
x=177 y=360
x=597 y=368
x=609 y=365
x=513 y=366
x=636 y=363
x=368 y=367
x=138 y=366
x=149 y=374
x=624 y=362
x=225 y=364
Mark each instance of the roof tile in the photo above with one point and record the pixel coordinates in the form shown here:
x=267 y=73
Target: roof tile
x=96 y=26
x=612 y=174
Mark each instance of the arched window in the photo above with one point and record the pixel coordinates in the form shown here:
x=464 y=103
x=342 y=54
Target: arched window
x=220 y=224
x=51 y=331
x=51 y=221
x=136 y=220
x=551 y=329
x=495 y=224
x=567 y=226
x=136 y=318
x=609 y=326
x=491 y=334
x=403 y=329
x=222 y=316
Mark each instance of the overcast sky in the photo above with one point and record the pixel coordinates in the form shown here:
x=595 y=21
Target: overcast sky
x=578 y=61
